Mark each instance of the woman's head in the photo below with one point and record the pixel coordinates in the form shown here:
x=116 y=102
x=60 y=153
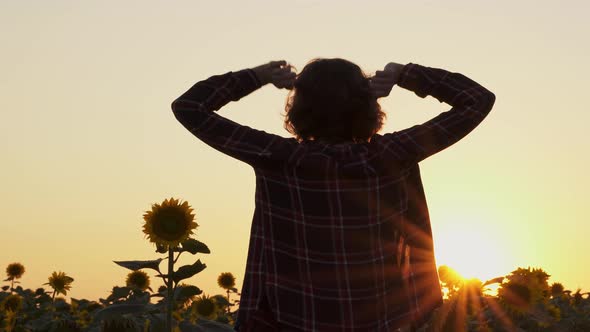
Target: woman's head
x=331 y=101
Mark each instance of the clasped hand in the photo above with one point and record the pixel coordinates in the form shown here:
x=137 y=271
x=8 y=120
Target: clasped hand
x=278 y=73
x=282 y=76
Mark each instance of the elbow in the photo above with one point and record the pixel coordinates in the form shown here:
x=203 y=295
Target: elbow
x=487 y=101
x=174 y=106
x=491 y=100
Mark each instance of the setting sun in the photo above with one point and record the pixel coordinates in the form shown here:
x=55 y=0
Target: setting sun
x=472 y=251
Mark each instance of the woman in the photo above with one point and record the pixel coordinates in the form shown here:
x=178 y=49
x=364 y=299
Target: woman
x=341 y=238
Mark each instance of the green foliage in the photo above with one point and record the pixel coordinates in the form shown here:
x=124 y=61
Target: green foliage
x=138 y=265
x=187 y=271
x=524 y=302
x=125 y=309
x=193 y=246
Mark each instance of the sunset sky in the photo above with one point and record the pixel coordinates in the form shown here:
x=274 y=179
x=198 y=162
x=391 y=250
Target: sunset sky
x=89 y=142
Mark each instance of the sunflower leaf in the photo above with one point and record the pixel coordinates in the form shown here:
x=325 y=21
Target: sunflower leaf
x=497 y=280
x=183 y=293
x=120 y=309
x=138 y=265
x=187 y=271
x=118 y=293
x=193 y=246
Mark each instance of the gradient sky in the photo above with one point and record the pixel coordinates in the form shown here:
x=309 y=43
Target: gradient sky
x=88 y=140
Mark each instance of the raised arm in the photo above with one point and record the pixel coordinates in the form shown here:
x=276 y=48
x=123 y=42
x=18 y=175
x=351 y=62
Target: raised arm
x=470 y=103
x=195 y=111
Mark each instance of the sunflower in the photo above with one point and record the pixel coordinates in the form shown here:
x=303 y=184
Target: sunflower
x=138 y=280
x=169 y=223
x=15 y=271
x=524 y=289
x=204 y=306
x=516 y=297
x=12 y=302
x=60 y=282
x=226 y=280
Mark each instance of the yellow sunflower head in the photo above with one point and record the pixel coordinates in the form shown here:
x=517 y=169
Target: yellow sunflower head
x=169 y=223
x=138 y=280
x=60 y=282
x=226 y=280
x=204 y=306
x=15 y=271
x=12 y=302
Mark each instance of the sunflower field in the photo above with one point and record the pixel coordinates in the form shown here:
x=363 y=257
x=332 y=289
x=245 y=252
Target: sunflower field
x=524 y=299
x=175 y=306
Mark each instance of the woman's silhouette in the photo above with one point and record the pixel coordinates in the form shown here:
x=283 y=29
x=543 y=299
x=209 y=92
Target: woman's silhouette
x=341 y=238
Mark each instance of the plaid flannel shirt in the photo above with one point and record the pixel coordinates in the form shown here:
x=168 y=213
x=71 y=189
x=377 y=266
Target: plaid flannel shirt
x=341 y=238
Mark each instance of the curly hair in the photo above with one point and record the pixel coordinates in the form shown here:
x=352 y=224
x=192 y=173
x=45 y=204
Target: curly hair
x=331 y=101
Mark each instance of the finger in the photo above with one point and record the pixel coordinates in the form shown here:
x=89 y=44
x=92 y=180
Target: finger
x=378 y=86
x=284 y=80
x=383 y=76
x=285 y=83
x=392 y=66
x=284 y=75
x=277 y=64
x=381 y=73
x=381 y=80
x=280 y=71
x=381 y=88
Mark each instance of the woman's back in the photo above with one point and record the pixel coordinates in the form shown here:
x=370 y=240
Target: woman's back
x=330 y=223
x=341 y=237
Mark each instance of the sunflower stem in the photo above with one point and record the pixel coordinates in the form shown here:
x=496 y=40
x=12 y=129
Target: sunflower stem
x=228 y=303
x=170 y=283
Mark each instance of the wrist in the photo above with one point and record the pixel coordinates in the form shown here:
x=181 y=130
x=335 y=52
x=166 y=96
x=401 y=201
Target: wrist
x=261 y=75
x=406 y=73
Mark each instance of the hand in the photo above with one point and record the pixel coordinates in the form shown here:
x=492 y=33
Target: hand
x=276 y=72
x=385 y=79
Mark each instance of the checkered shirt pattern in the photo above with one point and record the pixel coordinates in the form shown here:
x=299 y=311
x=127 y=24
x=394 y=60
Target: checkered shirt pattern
x=341 y=238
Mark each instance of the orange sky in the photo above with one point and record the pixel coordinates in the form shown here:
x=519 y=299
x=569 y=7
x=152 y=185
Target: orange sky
x=88 y=140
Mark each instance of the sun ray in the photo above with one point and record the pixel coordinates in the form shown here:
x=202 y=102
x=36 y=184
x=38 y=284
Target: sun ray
x=502 y=316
